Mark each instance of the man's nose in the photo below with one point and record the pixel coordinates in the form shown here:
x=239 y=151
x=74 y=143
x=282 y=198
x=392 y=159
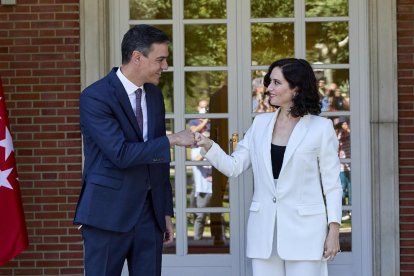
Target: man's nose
x=164 y=65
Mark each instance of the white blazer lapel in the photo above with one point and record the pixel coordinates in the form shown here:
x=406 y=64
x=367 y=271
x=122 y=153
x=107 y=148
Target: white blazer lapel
x=296 y=137
x=266 y=145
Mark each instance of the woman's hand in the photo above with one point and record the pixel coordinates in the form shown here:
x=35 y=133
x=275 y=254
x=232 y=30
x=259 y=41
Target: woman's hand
x=203 y=141
x=331 y=247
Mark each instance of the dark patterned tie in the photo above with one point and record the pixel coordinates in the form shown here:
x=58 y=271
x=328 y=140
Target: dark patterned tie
x=139 y=115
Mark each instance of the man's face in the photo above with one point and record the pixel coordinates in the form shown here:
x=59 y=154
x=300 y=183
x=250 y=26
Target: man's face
x=154 y=63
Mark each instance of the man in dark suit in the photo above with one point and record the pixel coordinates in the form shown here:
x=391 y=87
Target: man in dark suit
x=125 y=205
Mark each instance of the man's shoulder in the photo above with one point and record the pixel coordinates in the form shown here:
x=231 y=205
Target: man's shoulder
x=102 y=84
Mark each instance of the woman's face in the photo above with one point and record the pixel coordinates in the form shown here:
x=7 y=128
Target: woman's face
x=280 y=93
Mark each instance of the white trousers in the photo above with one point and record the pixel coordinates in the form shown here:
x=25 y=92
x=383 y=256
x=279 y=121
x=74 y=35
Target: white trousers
x=275 y=266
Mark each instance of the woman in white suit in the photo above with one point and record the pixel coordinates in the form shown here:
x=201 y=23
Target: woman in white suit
x=295 y=214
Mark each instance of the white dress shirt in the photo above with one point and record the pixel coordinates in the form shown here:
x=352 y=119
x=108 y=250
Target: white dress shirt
x=130 y=88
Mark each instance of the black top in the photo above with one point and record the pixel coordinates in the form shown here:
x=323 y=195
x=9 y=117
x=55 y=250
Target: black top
x=277 y=153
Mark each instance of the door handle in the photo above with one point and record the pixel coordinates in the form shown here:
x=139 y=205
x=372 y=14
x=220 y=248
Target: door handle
x=233 y=142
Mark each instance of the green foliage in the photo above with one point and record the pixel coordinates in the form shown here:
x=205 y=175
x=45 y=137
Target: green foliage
x=327 y=42
x=150 y=9
x=206 y=45
x=272 y=41
x=271 y=8
x=205 y=9
x=317 y=8
x=201 y=85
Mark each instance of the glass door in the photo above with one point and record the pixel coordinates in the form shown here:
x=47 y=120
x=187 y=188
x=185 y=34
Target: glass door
x=219 y=53
x=197 y=90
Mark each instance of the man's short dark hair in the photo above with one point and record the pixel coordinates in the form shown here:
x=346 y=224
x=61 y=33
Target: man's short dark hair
x=140 y=38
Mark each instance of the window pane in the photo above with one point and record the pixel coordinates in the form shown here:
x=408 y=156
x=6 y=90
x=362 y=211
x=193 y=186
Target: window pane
x=271 y=8
x=271 y=41
x=150 y=9
x=206 y=186
x=327 y=42
x=167 y=86
x=345 y=236
x=171 y=249
x=343 y=132
x=346 y=188
x=315 y=8
x=208 y=232
x=345 y=233
x=206 y=9
x=210 y=86
x=206 y=45
x=260 y=100
x=333 y=87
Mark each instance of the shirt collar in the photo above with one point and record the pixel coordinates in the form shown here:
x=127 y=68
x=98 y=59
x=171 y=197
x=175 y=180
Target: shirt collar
x=129 y=86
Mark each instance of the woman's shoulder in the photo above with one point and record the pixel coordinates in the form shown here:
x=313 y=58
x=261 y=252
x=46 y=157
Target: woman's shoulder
x=264 y=117
x=319 y=119
x=320 y=122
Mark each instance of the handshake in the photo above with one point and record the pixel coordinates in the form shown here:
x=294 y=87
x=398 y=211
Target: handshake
x=187 y=138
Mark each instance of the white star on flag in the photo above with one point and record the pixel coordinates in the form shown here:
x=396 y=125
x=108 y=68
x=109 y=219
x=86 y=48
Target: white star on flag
x=7 y=144
x=3 y=178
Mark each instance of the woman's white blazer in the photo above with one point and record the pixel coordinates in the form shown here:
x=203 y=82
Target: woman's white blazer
x=309 y=175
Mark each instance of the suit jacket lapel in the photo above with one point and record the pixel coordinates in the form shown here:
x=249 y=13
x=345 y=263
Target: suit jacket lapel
x=296 y=137
x=122 y=96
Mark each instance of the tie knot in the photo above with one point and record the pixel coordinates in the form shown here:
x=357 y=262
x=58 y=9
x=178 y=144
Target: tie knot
x=138 y=91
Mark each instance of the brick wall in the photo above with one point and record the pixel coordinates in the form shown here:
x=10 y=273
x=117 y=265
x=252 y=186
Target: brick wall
x=40 y=69
x=405 y=34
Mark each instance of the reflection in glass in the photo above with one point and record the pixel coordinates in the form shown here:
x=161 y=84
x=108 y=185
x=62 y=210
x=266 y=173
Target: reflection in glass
x=171 y=249
x=210 y=86
x=205 y=45
x=271 y=41
x=271 y=8
x=150 y=9
x=201 y=181
x=204 y=181
x=167 y=87
x=343 y=133
x=345 y=236
x=345 y=176
x=213 y=238
x=169 y=123
x=317 y=8
x=205 y=9
x=345 y=232
x=333 y=87
x=327 y=42
x=260 y=100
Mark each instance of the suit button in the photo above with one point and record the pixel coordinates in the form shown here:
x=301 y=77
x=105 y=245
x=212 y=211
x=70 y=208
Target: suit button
x=274 y=200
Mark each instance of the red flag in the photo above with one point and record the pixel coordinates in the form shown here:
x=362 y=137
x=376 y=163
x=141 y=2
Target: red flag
x=13 y=233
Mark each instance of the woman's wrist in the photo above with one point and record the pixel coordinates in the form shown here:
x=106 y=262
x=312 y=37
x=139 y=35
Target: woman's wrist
x=208 y=145
x=334 y=226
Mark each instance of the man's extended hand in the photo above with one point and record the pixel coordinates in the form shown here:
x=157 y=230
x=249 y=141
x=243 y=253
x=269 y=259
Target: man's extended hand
x=182 y=138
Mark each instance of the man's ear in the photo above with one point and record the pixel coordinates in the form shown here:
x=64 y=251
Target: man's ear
x=136 y=56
